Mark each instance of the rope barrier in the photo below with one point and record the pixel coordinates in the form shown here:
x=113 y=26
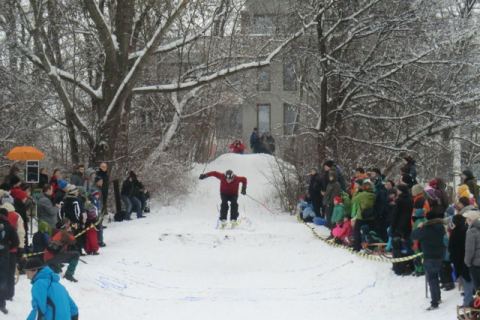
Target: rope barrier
x=28 y=255
x=362 y=254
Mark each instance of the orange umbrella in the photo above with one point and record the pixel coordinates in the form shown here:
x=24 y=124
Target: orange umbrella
x=25 y=153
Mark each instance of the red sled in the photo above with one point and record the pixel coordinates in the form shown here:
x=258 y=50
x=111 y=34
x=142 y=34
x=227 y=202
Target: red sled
x=91 y=241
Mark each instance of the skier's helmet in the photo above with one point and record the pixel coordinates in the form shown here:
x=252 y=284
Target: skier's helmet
x=229 y=175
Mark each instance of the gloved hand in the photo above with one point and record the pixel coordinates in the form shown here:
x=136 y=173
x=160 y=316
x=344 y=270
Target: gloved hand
x=202 y=176
x=244 y=190
x=75 y=317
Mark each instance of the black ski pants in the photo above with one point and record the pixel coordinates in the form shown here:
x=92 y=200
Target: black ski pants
x=233 y=207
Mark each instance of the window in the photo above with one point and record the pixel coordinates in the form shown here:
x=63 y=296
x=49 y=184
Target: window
x=263 y=118
x=289 y=76
x=262 y=24
x=289 y=119
x=263 y=79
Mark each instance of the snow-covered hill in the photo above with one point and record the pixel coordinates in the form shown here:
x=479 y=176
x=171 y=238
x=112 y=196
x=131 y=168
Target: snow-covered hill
x=176 y=265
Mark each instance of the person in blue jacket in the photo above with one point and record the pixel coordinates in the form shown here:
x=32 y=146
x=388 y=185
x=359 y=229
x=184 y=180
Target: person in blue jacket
x=50 y=300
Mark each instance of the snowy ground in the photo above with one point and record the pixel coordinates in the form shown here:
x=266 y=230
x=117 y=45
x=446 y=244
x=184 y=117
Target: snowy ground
x=176 y=265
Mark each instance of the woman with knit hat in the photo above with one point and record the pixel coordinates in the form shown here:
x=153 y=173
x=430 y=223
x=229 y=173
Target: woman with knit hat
x=420 y=210
x=471 y=181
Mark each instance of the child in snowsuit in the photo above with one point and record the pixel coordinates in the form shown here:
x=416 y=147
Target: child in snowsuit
x=421 y=208
x=338 y=211
x=91 y=238
x=343 y=232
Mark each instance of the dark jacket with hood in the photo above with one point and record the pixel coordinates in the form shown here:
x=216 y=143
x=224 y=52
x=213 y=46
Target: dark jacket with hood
x=471 y=182
x=472 y=245
x=431 y=237
x=456 y=246
x=401 y=225
x=333 y=189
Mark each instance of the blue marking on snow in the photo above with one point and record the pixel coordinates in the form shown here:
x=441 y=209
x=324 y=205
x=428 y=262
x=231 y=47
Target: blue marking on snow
x=111 y=284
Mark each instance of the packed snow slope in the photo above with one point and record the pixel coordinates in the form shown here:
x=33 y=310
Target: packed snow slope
x=175 y=265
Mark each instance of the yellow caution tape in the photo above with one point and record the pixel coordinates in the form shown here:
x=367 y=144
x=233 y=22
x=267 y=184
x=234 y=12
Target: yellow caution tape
x=363 y=254
x=27 y=255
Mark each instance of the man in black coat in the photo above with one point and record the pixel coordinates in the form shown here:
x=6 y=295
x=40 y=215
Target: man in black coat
x=401 y=228
x=456 y=248
x=381 y=203
x=102 y=181
x=430 y=235
x=315 y=191
x=255 y=141
x=8 y=239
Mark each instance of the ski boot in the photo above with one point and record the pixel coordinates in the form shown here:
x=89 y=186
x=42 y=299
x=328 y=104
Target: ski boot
x=234 y=224
x=222 y=224
x=70 y=277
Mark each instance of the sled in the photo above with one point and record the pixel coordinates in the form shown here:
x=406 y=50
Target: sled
x=377 y=248
x=467 y=313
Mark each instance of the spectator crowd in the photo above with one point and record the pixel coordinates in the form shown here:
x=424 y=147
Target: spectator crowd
x=68 y=215
x=371 y=213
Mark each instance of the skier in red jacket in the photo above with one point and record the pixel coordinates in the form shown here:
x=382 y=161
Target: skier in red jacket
x=229 y=184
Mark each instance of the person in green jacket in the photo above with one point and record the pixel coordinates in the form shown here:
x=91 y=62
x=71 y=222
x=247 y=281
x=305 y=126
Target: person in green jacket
x=362 y=212
x=338 y=211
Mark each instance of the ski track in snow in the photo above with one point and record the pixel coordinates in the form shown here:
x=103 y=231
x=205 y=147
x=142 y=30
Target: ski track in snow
x=176 y=265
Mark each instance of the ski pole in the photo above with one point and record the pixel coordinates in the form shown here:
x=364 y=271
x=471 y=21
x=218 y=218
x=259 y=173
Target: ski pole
x=263 y=205
x=426 y=286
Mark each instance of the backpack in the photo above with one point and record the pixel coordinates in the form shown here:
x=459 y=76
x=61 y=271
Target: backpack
x=347 y=203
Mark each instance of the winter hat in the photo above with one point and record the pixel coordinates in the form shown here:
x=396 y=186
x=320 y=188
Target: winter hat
x=329 y=163
x=367 y=185
x=71 y=189
x=468 y=174
x=89 y=172
x=18 y=194
x=337 y=200
x=8 y=206
x=433 y=183
x=463 y=191
x=62 y=184
x=417 y=190
x=472 y=214
x=229 y=174
x=33 y=264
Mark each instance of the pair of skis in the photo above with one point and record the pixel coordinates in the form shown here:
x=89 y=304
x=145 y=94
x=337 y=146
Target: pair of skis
x=225 y=225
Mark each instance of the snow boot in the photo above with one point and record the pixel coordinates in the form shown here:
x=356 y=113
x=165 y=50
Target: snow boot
x=234 y=224
x=222 y=224
x=70 y=277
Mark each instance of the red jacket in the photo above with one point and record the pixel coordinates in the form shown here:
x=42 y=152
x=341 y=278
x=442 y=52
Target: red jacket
x=63 y=238
x=228 y=189
x=12 y=218
x=237 y=147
